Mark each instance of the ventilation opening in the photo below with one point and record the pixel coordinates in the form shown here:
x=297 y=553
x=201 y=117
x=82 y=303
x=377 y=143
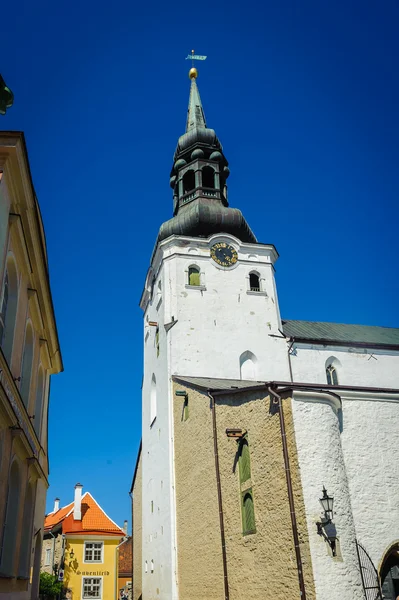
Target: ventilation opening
x=188 y=182
x=254 y=282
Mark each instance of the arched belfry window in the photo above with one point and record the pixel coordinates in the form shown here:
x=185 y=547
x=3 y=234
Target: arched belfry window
x=244 y=462
x=10 y=526
x=248 y=365
x=254 y=282
x=332 y=375
x=208 y=177
x=194 y=275
x=27 y=361
x=8 y=307
x=188 y=181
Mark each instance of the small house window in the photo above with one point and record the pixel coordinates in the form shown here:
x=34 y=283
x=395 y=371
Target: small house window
x=194 y=276
x=93 y=552
x=47 y=557
x=92 y=587
x=332 y=376
x=254 y=282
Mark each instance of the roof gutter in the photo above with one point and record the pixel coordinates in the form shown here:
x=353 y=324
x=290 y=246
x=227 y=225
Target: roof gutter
x=327 y=342
x=304 y=386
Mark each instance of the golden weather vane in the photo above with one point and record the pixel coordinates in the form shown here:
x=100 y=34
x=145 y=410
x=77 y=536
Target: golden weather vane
x=193 y=71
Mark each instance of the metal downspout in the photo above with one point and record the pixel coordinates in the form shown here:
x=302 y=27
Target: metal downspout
x=278 y=401
x=219 y=489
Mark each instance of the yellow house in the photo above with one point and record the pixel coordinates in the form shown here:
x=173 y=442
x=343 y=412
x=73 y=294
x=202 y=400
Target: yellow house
x=81 y=543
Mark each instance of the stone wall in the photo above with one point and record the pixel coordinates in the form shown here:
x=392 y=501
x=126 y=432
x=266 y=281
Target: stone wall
x=55 y=548
x=137 y=533
x=260 y=565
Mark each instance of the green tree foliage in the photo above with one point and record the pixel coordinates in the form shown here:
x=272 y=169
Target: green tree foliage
x=50 y=587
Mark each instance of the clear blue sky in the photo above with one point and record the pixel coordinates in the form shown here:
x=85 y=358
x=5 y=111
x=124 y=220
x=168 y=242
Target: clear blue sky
x=303 y=95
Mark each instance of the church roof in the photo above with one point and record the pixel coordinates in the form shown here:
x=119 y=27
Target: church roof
x=316 y=331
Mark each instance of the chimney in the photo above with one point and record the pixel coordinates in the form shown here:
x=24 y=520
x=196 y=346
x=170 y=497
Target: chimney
x=77 y=503
x=125 y=527
x=56 y=505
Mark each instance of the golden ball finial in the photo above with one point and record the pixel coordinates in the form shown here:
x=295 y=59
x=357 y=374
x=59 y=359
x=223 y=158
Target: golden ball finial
x=193 y=73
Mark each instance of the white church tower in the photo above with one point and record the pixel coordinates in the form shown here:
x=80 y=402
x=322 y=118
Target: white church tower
x=210 y=310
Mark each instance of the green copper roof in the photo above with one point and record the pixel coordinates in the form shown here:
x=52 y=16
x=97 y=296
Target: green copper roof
x=195 y=114
x=339 y=332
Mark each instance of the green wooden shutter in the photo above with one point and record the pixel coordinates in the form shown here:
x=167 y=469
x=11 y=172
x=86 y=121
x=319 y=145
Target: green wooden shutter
x=244 y=462
x=248 y=513
x=194 y=277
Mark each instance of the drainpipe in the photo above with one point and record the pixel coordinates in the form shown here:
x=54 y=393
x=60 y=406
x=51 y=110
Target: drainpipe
x=219 y=489
x=277 y=400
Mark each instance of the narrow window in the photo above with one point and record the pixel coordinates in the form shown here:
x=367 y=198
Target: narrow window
x=194 y=276
x=9 y=303
x=157 y=340
x=248 y=365
x=152 y=506
x=3 y=311
x=244 y=463
x=153 y=400
x=188 y=181
x=248 y=513
x=27 y=527
x=47 y=557
x=152 y=566
x=37 y=423
x=208 y=177
x=27 y=360
x=332 y=376
x=254 y=282
x=146 y=567
x=10 y=525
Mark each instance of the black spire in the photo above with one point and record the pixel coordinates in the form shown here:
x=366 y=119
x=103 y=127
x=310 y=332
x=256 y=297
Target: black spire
x=198 y=179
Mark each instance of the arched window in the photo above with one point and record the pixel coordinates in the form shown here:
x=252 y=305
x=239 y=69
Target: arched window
x=248 y=365
x=254 y=282
x=188 y=181
x=194 y=276
x=10 y=525
x=248 y=513
x=27 y=360
x=153 y=400
x=26 y=538
x=208 y=177
x=332 y=366
x=39 y=402
x=9 y=303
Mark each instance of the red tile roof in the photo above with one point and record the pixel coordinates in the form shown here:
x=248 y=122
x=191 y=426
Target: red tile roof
x=94 y=519
x=126 y=558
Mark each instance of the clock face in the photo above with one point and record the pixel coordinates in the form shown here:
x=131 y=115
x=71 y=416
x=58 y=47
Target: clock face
x=224 y=254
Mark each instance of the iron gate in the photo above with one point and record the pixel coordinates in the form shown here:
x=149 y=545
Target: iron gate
x=370 y=579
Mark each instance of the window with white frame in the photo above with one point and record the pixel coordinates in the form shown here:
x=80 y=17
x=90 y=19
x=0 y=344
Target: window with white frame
x=92 y=587
x=47 y=557
x=93 y=552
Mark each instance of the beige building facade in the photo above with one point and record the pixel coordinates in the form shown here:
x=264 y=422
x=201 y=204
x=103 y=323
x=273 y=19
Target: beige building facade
x=29 y=355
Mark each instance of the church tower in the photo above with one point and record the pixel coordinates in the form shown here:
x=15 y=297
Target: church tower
x=210 y=310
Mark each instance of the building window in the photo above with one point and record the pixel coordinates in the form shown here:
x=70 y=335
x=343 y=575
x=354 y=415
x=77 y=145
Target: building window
x=92 y=587
x=153 y=400
x=47 y=557
x=152 y=566
x=254 y=282
x=26 y=536
x=188 y=181
x=3 y=311
x=248 y=365
x=9 y=302
x=247 y=501
x=146 y=567
x=248 y=513
x=157 y=340
x=332 y=376
x=194 y=276
x=94 y=552
x=10 y=525
x=27 y=361
x=208 y=177
x=37 y=423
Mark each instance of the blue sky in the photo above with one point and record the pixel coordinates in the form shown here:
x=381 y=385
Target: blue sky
x=304 y=96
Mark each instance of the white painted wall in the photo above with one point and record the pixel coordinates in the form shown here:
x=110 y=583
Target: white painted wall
x=368 y=439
